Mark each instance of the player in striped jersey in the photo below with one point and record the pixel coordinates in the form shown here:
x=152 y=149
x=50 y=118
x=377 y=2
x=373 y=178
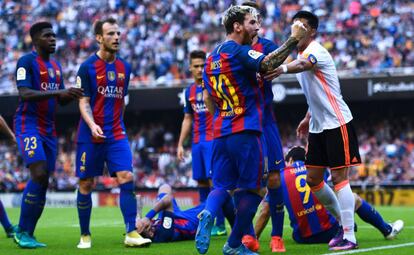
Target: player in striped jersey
x=101 y=133
x=198 y=121
x=328 y=125
x=310 y=221
x=230 y=77
x=39 y=79
x=274 y=152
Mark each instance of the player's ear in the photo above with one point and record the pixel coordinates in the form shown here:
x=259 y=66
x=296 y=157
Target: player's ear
x=313 y=32
x=99 y=38
x=236 y=26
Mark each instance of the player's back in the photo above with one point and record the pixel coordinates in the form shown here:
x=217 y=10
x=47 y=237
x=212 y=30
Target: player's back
x=37 y=117
x=230 y=77
x=202 y=119
x=322 y=90
x=106 y=84
x=306 y=214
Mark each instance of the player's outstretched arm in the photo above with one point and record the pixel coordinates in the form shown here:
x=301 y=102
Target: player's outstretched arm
x=86 y=113
x=278 y=56
x=4 y=128
x=28 y=94
x=163 y=204
x=185 y=132
x=68 y=95
x=296 y=66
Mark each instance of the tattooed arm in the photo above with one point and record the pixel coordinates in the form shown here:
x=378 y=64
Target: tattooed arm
x=87 y=115
x=278 y=56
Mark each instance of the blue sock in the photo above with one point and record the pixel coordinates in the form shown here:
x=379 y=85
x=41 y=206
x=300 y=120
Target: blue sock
x=215 y=201
x=84 y=204
x=4 y=220
x=38 y=212
x=229 y=210
x=246 y=204
x=277 y=212
x=203 y=192
x=128 y=204
x=368 y=214
x=220 y=218
x=30 y=205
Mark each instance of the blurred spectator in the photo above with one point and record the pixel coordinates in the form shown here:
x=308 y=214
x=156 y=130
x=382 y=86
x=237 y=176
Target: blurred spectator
x=158 y=35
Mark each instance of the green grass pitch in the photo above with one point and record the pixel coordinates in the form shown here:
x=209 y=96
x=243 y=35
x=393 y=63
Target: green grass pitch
x=58 y=228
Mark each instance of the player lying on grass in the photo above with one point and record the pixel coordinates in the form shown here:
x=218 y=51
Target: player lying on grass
x=172 y=224
x=310 y=221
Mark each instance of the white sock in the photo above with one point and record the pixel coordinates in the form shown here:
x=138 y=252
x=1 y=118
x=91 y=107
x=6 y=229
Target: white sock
x=347 y=204
x=329 y=200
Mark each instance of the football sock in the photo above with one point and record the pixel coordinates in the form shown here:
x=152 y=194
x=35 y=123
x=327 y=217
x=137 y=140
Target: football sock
x=4 y=220
x=277 y=212
x=128 y=204
x=368 y=214
x=246 y=203
x=347 y=204
x=220 y=218
x=228 y=209
x=30 y=205
x=84 y=204
x=215 y=201
x=327 y=197
x=39 y=210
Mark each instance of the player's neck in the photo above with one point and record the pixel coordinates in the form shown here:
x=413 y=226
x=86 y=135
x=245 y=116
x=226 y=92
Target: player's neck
x=43 y=55
x=235 y=37
x=198 y=81
x=255 y=40
x=106 y=56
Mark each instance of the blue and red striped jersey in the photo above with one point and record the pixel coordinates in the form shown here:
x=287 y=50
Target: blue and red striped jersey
x=106 y=84
x=266 y=46
x=230 y=78
x=307 y=215
x=202 y=119
x=37 y=117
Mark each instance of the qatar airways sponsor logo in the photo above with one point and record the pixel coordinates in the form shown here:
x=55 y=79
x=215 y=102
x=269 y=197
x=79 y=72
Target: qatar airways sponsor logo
x=50 y=85
x=199 y=107
x=111 y=91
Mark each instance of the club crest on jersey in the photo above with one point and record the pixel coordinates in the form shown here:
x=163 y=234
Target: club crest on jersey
x=111 y=75
x=167 y=223
x=312 y=59
x=254 y=54
x=31 y=154
x=199 y=96
x=51 y=72
x=21 y=74
x=121 y=76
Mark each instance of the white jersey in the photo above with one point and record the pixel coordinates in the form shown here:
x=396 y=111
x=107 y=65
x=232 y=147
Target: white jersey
x=322 y=90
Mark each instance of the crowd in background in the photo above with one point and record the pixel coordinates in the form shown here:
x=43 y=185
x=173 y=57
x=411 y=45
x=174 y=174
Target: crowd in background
x=386 y=147
x=157 y=35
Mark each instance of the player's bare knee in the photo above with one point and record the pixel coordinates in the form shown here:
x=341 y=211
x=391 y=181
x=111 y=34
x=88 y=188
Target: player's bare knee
x=39 y=174
x=86 y=185
x=312 y=181
x=165 y=188
x=339 y=175
x=273 y=182
x=124 y=177
x=203 y=183
x=358 y=201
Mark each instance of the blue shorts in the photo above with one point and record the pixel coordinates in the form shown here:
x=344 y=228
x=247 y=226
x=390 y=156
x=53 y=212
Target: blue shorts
x=90 y=158
x=322 y=237
x=201 y=160
x=274 y=147
x=35 y=147
x=237 y=161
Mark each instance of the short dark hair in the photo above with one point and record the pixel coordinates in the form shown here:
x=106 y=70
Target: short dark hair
x=312 y=19
x=38 y=27
x=236 y=13
x=296 y=153
x=97 y=28
x=197 y=54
